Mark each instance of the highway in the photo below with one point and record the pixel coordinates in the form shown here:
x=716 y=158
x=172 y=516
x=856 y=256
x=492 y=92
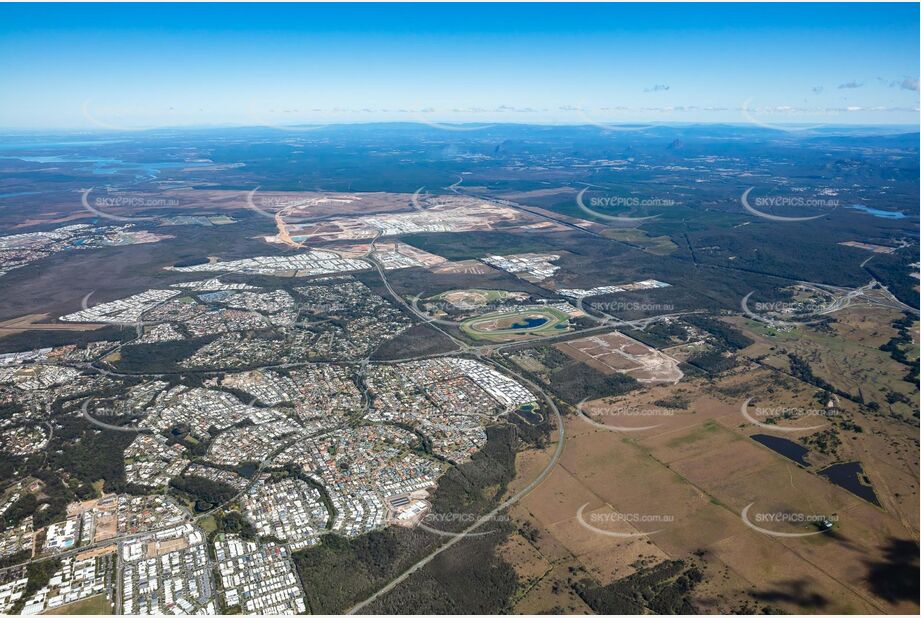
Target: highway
x=557 y=453
x=482 y=352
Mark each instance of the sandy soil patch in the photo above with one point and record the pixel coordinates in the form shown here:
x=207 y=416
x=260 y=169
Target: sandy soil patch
x=618 y=353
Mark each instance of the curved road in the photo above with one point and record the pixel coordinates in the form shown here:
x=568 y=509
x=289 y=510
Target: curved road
x=557 y=453
x=99 y=423
x=488 y=516
x=463 y=347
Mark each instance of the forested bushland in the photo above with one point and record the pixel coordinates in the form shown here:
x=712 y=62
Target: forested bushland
x=206 y=493
x=901 y=339
x=727 y=336
x=340 y=572
x=90 y=454
x=159 y=357
x=661 y=589
x=469 y=578
x=38 y=574
x=711 y=361
x=574 y=381
x=892 y=271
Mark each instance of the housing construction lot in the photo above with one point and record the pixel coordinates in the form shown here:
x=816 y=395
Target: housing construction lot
x=615 y=352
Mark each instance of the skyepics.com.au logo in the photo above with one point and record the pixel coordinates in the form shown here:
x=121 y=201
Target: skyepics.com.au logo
x=771 y=523
x=279 y=310
x=790 y=202
x=437 y=120
x=774 y=117
x=603 y=522
x=113 y=204
x=457 y=524
x=610 y=124
x=788 y=313
x=464 y=306
x=615 y=306
x=103 y=414
x=122 y=118
x=276 y=207
x=618 y=201
x=621 y=412
x=416 y=199
x=766 y=417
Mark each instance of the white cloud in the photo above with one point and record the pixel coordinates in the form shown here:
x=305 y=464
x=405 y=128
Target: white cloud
x=909 y=83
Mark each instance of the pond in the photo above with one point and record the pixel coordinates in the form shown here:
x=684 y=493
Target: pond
x=789 y=449
x=876 y=212
x=530 y=414
x=848 y=475
x=530 y=322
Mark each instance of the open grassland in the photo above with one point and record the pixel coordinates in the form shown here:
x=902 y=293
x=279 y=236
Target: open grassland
x=676 y=491
x=657 y=245
x=847 y=355
x=93 y=606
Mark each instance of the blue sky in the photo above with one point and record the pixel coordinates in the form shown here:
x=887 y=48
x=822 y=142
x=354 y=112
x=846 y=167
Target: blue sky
x=139 y=66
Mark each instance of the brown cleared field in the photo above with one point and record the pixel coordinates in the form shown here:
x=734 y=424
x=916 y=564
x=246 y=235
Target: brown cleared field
x=464 y=267
x=868 y=246
x=886 y=447
x=293 y=205
x=97 y=552
x=51 y=219
x=93 y=606
x=473 y=298
x=657 y=245
x=106 y=519
x=616 y=353
x=552 y=594
x=582 y=223
x=684 y=351
x=155 y=549
x=437 y=214
x=639 y=409
x=700 y=467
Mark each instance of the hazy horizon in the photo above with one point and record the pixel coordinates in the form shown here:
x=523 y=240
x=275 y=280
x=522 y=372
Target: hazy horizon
x=473 y=126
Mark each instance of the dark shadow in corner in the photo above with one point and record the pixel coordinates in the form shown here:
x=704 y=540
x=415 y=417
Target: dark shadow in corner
x=793 y=591
x=895 y=578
